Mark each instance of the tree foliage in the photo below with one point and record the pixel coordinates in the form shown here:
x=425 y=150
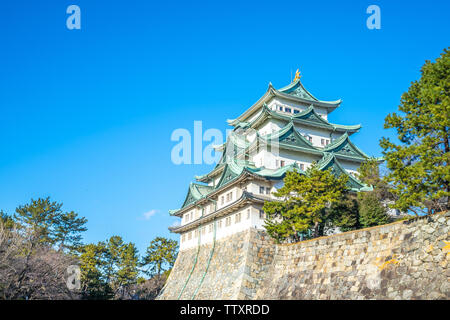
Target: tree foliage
x=94 y=282
x=419 y=163
x=373 y=204
x=369 y=172
x=372 y=212
x=160 y=256
x=40 y=241
x=108 y=269
x=304 y=204
x=6 y=220
x=33 y=263
x=345 y=213
x=48 y=224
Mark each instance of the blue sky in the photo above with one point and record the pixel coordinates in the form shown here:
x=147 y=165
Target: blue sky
x=86 y=115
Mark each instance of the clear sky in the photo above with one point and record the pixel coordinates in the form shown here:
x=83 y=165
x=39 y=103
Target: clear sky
x=86 y=115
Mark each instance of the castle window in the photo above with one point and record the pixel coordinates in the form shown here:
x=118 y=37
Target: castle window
x=268 y=190
x=322 y=142
x=296 y=111
x=282 y=163
x=237 y=218
x=280 y=108
x=222 y=200
x=189 y=235
x=192 y=215
x=262 y=214
x=210 y=228
x=203 y=230
x=261 y=190
x=227 y=221
x=219 y=224
x=183 y=238
x=195 y=233
x=302 y=167
x=288 y=110
x=248 y=214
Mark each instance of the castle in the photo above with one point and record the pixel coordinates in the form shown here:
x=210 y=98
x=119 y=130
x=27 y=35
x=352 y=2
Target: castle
x=285 y=129
x=225 y=252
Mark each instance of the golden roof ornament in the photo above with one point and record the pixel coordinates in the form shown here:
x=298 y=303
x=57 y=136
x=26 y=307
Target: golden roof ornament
x=297 y=75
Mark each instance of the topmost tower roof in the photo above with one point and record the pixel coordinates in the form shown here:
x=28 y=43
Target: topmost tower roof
x=296 y=89
x=294 y=92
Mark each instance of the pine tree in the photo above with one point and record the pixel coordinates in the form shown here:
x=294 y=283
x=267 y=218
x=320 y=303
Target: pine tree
x=127 y=267
x=304 y=204
x=419 y=164
x=345 y=213
x=39 y=217
x=6 y=220
x=371 y=211
x=120 y=265
x=373 y=204
x=49 y=225
x=160 y=256
x=109 y=268
x=92 y=261
x=68 y=231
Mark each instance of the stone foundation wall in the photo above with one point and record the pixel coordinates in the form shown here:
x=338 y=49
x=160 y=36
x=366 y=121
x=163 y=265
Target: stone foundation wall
x=193 y=278
x=403 y=260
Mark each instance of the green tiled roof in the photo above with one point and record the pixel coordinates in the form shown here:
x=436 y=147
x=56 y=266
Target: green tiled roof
x=295 y=91
x=343 y=146
x=196 y=191
x=307 y=117
x=235 y=169
x=289 y=137
x=329 y=161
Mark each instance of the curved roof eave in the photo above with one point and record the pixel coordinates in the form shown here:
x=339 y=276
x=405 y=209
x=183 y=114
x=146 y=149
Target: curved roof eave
x=344 y=127
x=297 y=118
x=297 y=83
x=289 y=127
x=328 y=157
x=340 y=141
x=267 y=95
x=245 y=197
x=263 y=173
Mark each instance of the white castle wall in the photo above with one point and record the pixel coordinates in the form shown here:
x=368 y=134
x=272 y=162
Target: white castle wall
x=275 y=102
x=249 y=218
x=351 y=167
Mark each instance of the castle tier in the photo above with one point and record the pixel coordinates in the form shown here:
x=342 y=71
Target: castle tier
x=285 y=129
